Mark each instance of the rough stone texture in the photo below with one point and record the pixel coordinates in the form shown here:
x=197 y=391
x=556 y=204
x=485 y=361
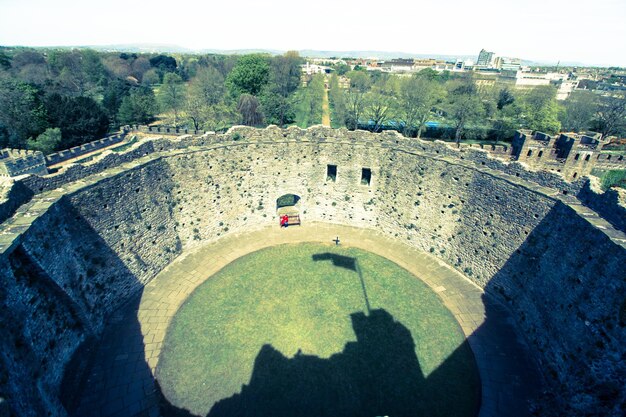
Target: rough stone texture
x=16 y=162
x=611 y=204
x=566 y=285
x=122 y=218
x=12 y=195
x=40 y=329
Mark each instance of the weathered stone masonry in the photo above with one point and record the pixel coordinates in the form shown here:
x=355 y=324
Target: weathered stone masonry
x=77 y=253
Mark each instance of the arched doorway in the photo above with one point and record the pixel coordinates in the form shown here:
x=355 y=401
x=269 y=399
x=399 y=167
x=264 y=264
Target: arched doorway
x=289 y=205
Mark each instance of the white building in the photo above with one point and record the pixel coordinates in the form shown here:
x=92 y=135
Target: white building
x=312 y=69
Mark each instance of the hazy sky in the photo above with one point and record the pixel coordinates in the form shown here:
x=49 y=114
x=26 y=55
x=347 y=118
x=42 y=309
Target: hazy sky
x=588 y=31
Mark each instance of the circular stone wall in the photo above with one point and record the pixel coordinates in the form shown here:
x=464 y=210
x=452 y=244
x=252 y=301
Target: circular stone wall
x=317 y=330
x=98 y=234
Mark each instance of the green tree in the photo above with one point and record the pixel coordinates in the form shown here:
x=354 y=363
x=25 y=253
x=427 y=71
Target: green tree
x=284 y=80
x=337 y=101
x=579 y=110
x=205 y=98
x=5 y=61
x=197 y=110
x=249 y=75
x=505 y=98
x=341 y=69
x=359 y=80
x=380 y=104
x=355 y=97
x=31 y=67
x=22 y=113
x=309 y=107
x=277 y=109
x=138 y=107
x=80 y=119
x=163 y=64
x=465 y=106
x=47 y=142
x=221 y=116
x=114 y=93
x=172 y=95
x=541 y=109
x=417 y=97
x=506 y=121
x=78 y=72
x=429 y=74
x=150 y=77
x=208 y=84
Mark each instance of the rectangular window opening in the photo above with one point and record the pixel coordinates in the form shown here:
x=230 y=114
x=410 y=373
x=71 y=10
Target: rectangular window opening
x=530 y=152
x=366 y=176
x=331 y=173
x=540 y=154
x=587 y=157
x=576 y=157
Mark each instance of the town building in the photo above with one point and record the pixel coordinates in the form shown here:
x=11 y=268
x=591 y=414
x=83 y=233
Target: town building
x=508 y=64
x=485 y=59
x=312 y=69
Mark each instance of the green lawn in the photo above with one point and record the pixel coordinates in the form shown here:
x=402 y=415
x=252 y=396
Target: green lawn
x=411 y=353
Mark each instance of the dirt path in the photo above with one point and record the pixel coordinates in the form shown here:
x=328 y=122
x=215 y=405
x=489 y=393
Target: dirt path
x=325 y=110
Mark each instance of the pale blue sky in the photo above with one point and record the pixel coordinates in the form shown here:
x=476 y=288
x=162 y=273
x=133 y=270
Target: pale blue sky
x=589 y=31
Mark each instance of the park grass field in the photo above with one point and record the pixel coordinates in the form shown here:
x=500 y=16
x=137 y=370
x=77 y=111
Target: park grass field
x=305 y=301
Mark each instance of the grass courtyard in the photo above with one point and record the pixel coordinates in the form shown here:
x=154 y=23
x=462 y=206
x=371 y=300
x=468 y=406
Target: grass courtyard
x=315 y=330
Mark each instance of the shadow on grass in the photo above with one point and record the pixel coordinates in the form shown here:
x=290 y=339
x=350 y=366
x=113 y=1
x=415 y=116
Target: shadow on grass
x=337 y=260
x=379 y=374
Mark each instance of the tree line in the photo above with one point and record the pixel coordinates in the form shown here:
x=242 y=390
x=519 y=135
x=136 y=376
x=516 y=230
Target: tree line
x=461 y=108
x=52 y=99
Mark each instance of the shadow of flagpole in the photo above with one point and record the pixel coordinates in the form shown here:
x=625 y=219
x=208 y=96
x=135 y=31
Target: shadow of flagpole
x=367 y=300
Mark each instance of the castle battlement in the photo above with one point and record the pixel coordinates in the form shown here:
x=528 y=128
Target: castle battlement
x=571 y=154
x=16 y=162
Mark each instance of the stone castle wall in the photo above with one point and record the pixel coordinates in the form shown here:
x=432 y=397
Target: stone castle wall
x=566 y=285
x=57 y=157
x=102 y=241
x=16 y=162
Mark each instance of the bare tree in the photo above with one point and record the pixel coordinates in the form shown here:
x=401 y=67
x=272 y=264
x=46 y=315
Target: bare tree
x=611 y=115
x=172 y=94
x=249 y=108
x=417 y=97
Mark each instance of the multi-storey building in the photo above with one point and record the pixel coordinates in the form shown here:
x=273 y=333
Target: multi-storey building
x=485 y=59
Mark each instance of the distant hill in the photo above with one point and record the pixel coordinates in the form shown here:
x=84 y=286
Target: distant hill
x=379 y=55
x=309 y=53
x=142 y=48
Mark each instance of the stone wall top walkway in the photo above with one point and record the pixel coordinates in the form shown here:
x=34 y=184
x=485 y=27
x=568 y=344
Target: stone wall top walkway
x=12 y=229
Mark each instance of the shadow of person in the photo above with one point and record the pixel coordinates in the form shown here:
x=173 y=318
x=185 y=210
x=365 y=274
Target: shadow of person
x=379 y=374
